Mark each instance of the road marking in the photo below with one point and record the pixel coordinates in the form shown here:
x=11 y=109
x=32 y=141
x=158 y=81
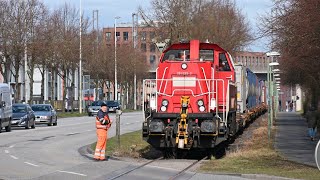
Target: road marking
x=14 y=157
x=31 y=164
x=69 y=172
x=73 y=133
x=6 y=151
x=76 y=124
x=11 y=146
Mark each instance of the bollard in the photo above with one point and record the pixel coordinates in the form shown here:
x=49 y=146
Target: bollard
x=118 y=113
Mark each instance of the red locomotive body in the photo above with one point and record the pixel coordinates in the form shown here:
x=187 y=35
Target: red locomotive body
x=192 y=101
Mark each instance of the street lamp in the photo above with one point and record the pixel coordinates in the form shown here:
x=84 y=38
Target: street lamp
x=80 y=61
x=115 y=60
x=134 y=41
x=270 y=92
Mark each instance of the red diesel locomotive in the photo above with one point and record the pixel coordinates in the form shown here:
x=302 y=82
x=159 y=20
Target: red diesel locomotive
x=192 y=103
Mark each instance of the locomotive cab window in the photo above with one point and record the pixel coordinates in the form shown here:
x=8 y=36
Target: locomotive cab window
x=223 y=63
x=206 y=55
x=177 y=55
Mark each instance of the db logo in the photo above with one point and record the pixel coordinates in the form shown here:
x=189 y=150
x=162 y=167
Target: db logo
x=317 y=155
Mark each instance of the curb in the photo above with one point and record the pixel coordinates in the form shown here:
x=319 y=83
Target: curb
x=87 y=152
x=264 y=177
x=253 y=176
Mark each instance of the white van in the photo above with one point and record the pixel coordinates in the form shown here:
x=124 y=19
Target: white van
x=5 y=107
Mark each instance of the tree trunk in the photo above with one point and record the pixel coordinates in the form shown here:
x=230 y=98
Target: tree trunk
x=42 y=84
x=31 y=84
x=53 y=86
x=16 y=78
x=72 y=89
x=127 y=95
x=6 y=69
x=64 y=88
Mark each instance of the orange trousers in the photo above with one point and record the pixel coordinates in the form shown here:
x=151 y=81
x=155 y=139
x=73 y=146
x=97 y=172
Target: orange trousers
x=100 y=152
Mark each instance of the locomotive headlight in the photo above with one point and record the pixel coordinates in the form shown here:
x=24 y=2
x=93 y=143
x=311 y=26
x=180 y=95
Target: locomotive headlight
x=165 y=103
x=184 y=105
x=202 y=108
x=163 y=108
x=184 y=66
x=200 y=102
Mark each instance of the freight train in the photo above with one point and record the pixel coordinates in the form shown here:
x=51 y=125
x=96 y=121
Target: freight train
x=199 y=98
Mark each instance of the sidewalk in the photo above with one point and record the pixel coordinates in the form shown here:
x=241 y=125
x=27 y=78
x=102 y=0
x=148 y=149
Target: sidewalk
x=292 y=139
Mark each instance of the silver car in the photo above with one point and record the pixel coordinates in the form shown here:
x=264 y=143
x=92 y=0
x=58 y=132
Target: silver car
x=45 y=114
x=95 y=107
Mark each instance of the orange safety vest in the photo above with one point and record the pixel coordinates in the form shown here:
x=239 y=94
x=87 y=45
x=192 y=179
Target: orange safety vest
x=100 y=126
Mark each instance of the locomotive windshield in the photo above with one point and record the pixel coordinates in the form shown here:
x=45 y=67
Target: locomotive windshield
x=206 y=55
x=177 y=55
x=184 y=55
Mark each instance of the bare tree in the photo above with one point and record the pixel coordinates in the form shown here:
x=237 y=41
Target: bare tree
x=218 y=21
x=294 y=26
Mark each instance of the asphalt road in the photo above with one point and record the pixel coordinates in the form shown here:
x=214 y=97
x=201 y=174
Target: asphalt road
x=52 y=153
x=40 y=152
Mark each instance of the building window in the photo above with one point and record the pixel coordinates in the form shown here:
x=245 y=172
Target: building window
x=143 y=47
x=152 y=48
x=152 y=59
x=143 y=36
x=108 y=36
x=152 y=35
x=118 y=36
x=125 y=36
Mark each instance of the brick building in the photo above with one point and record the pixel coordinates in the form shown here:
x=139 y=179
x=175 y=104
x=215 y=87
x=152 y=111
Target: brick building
x=144 y=41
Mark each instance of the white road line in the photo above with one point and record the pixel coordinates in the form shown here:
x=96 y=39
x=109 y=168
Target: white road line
x=11 y=146
x=73 y=133
x=7 y=151
x=14 y=157
x=77 y=124
x=69 y=172
x=31 y=164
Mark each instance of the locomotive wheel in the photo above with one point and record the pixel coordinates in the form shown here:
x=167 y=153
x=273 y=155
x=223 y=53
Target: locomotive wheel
x=220 y=150
x=174 y=153
x=210 y=153
x=169 y=153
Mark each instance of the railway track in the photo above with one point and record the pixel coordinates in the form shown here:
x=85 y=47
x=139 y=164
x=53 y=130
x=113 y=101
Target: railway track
x=187 y=168
x=133 y=169
x=176 y=176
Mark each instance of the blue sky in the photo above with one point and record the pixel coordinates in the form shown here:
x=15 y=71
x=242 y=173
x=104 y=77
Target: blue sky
x=108 y=9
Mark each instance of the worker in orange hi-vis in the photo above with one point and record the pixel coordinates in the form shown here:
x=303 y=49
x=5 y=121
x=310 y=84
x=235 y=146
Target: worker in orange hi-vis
x=103 y=123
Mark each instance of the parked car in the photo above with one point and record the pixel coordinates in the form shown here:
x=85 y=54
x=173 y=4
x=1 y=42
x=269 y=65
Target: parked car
x=45 y=114
x=5 y=107
x=94 y=107
x=23 y=116
x=113 y=106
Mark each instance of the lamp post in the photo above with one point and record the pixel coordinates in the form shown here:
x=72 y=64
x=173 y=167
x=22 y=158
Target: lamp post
x=80 y=61
x=115 y=60
x=134 y=41
x=270 y=97
x=274 y=94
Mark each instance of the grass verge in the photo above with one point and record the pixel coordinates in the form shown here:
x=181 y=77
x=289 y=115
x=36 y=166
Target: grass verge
x=259 y=157
x=131 y=145
x=70 y=114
